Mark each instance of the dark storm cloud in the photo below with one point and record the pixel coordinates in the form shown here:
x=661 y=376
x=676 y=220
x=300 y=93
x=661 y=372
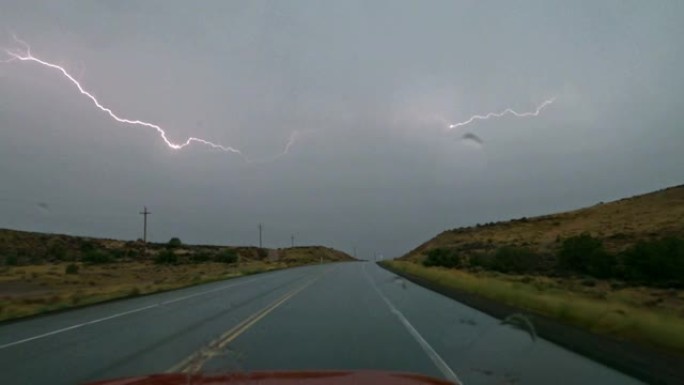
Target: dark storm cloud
x=371 y=87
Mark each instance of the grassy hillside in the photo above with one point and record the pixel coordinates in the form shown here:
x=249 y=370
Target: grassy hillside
x=618 y=224
x=614 y=268
x=45 y=272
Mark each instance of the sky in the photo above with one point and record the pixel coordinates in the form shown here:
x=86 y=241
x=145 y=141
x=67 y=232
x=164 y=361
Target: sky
x=366 y=91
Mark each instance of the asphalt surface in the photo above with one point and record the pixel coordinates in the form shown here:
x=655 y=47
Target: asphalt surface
x=333 y=316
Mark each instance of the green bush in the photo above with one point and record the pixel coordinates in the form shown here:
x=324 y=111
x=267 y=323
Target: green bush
x=444 y=258
x=97 y=257
x=71 y=268
x=87 y=246
x=118 y=253
x=585 y=254
x=660 y=261
x=517 y=260
x=227 y=256
x=57 y=251
x=481 y=260
x=602 y=265
x=166 y=257
x=174 y=243
x=11 y=260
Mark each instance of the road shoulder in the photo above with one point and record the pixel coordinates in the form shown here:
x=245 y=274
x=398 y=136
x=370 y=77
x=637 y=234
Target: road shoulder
x=642 y=362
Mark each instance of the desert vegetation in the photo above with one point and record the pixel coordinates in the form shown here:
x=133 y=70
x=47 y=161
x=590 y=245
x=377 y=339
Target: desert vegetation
x=614 y=268
x=47 y=272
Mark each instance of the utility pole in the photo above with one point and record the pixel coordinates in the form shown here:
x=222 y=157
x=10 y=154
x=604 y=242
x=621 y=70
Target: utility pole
x=291 y=240
x=260 y=229
x=354 y=251
x=145 y=213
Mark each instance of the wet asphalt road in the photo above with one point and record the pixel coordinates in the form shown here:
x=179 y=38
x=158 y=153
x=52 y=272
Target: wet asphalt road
x=334 y=316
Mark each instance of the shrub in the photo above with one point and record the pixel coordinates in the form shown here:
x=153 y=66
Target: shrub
x=660 y=261
x=166 y=257
x=97 y=257
x=71 y=268
x=11 y=260
x=517 y=260
x=602 y=265
x=174 y=243
x=57 y=251
x=584 y=253
x=444 y=258
x=483 y=261
x=227 y=256
x=118 y=253
x=87 y=246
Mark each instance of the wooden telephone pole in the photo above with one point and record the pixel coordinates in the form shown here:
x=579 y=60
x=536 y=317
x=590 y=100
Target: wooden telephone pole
x=145 y=213
x=260 y=229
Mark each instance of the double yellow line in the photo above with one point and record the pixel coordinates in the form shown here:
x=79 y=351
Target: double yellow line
x=194 y=363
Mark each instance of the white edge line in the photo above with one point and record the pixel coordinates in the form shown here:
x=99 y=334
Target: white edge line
x=434 y=356
x=117 y=315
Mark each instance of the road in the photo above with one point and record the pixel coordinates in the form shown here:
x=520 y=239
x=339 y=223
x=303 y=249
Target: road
x=333 y=316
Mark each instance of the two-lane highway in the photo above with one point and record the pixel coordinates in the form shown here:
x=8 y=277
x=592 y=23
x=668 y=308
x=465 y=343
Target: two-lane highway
x=336 y=316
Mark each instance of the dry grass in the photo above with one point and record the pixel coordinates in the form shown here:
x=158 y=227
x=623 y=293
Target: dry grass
x=28 y=290
x=649 y=316
x=312 y=254
x=34 y=278
x=619 y=224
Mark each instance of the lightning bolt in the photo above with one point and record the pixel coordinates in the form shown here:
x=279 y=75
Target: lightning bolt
x=27 y=56
x=507 y=111
x=292 y=139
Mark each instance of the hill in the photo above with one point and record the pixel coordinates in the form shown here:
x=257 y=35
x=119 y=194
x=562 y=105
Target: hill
x=613 y=269
x=26 y=248
x=46 y=272
x=619 y=224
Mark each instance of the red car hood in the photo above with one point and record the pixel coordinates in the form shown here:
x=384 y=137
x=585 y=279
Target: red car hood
x=282 y=378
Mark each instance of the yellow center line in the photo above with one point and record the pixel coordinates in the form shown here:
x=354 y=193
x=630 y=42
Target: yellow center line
x=195 y=361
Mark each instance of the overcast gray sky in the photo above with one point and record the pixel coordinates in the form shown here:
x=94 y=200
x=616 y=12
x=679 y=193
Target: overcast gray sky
x=370 y=87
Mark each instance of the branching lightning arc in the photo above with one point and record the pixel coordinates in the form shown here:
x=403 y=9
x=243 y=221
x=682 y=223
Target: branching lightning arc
x=507 y=111
x=27 y=56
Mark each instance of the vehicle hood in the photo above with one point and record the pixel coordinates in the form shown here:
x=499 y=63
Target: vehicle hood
x=282 y=378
